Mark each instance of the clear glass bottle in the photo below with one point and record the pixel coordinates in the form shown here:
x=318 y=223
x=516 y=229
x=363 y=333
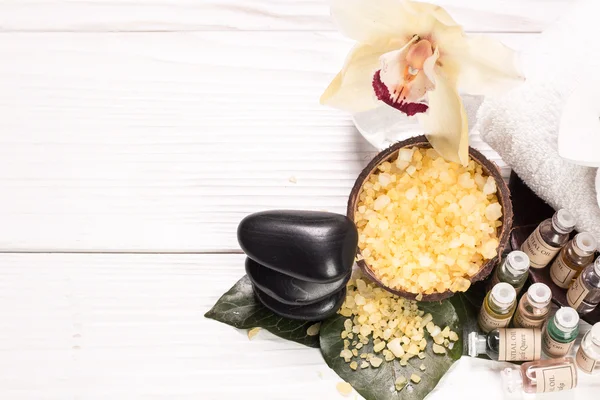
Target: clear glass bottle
x=544 y=376
x=514 y=270
x=584 y=293
x=588 y=354
x=498 y=307
x=534 y=307
x=548 y=238
x=572 y=259
x=507 y=344
x=560 y=333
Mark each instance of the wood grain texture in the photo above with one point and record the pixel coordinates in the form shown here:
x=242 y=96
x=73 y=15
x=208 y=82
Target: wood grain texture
x=132 y=327
x=194 y=15
x=163 y=142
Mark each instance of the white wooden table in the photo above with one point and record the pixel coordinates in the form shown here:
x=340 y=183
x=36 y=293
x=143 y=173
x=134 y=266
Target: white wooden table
x=134 y=135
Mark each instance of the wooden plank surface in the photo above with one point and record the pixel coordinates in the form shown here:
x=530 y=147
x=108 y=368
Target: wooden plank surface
x=194 y=15
x=155 y=126
x=161 y=142
x=132 y=327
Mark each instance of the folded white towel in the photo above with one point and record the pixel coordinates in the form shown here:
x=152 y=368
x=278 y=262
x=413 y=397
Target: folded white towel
x=522 y=126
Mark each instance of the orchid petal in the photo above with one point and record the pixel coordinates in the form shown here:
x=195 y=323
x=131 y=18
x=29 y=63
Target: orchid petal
x=487 y=67
x=429 y=65
x=418 y=8
x=445 y=123
x=372 y=21
x=352 y=88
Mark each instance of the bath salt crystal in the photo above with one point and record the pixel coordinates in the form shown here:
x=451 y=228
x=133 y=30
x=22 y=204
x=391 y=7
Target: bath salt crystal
x=493 y=212
x=490 y=186
x=381 y=202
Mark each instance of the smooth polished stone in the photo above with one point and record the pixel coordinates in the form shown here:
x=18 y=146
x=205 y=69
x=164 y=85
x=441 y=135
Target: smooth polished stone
x=311 y=312
x=308 y=245
x=288 y=290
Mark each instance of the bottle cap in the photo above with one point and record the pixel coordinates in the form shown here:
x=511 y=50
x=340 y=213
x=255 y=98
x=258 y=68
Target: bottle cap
x=567 y=317
x=518 y=260
x=503 y=293
x=595 y=333
x=563 y=221
x=477 y=344
x=585 y=244
x=539 y=293
x=512 y=379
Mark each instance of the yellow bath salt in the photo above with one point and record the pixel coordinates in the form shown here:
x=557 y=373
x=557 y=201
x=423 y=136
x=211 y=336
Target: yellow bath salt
x=395 y=326
x=427 y=225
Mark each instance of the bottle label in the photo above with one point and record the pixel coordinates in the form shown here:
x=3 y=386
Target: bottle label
x=577 y=292
x=556 y=379
x=523 y=321
x=520 y=345
x=561 y=273
x=585 y=362
x=553 y=348
x=540 y=253
x=488 y=323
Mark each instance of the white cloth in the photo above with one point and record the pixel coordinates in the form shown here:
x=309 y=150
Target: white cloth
x=522 y=125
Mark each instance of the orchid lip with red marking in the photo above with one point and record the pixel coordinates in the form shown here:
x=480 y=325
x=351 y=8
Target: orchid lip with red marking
x=383 y=94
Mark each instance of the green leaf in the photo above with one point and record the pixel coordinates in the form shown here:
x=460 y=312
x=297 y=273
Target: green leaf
x=467 y=314
x=378 y=383
x=240 y=309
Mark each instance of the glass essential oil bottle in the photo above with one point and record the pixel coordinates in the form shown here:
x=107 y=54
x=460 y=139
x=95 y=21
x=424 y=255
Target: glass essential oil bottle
x=549 y=237
x=534 y=307
x=507 y=344
x=588 y=354
x=572 y=259
x=584 y=293
x=514 y=270
x=560 y=333
x=546 y=376
x=498 y=307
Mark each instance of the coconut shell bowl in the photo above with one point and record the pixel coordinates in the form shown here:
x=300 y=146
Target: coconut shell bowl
x=503 y=232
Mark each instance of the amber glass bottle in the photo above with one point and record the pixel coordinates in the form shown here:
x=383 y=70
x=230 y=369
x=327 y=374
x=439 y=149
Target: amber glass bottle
x=547 y=240
x=572 y=259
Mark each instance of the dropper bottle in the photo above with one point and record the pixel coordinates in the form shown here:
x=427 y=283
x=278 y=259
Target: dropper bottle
x=572 y=259
x=507 y=344
x=544 y=376
x=514 y=270
x=588 y=354
x=584 y=293
x=560 y=333
x=549 y=237
x=534 y=307
x=498 y=307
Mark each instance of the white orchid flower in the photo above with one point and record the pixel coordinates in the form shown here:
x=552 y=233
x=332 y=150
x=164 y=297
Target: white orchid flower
x=414 y=57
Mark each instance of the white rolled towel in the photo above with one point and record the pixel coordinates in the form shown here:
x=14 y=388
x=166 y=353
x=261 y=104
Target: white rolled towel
x=522 y=125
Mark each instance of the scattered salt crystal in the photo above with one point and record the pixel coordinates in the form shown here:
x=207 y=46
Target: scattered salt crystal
x=253 y=332
x=314 y=329
x=344 y=388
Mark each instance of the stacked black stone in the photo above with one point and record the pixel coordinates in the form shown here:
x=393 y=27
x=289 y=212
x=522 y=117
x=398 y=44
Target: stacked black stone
x=299 y=261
